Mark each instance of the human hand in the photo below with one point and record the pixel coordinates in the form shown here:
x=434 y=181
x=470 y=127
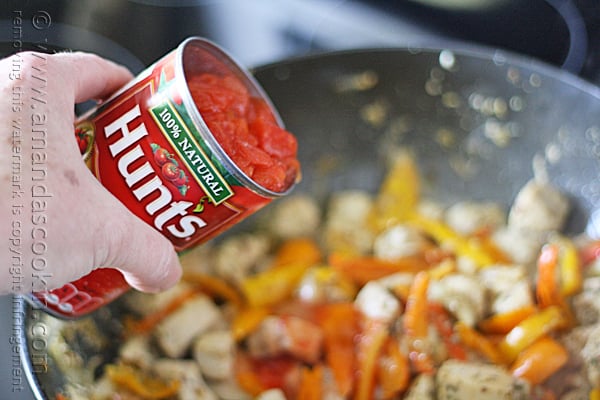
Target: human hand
x=59 y=222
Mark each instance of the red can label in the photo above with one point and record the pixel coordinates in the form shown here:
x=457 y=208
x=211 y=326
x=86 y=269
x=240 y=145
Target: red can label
x=143 y=146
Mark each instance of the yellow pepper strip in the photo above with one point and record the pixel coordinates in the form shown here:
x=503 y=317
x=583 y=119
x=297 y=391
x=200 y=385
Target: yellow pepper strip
x=595 y=394
x=140 y=384
x=540 y=360
x=462 y=246
x=399 y=193
x=273 y=285
x=480 y=343
x=246 y=320
x=570 y=270
x=529 y=330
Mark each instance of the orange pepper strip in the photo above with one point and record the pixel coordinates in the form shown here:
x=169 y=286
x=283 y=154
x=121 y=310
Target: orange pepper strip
x=393 y=371
x=370 y=344
x=311 y=383
x=364 y=269
x=416 y=324
x=443 y=323
x=529 y=330
x=540 y=360
x=150 y=321
x=298 y=251
x=339 y=322
x=215 y=287
x=504 y=322
x=473 y=339
x=246 y=320
x=140 y=384
x=273 y=285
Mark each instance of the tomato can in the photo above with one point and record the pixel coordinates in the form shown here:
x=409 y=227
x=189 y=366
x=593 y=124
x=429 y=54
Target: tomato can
x=150 y=146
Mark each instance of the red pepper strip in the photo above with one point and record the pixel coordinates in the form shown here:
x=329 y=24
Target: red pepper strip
x=589 y=253
x=478 y=342
x=540 y=360
x=393 y=372
x=529 y=330
x=364 y=269
x=416 y=324
x=548 y=290
x=443 y=323
x=339 y=322
x=370 y=343
x=311 y=384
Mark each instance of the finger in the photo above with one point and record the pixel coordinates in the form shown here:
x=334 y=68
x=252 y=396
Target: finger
x=144 y=256
x=93 y=77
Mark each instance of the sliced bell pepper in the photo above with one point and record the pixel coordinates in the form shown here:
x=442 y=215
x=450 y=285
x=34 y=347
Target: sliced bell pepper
x=370 y=344
x=529 y=330
x=139 y=383
x=399 y=193
x=311 y=384
x=461 y=245
x=478 y=342
x=362 y=269
x=594 y=394
x=215 y=287
x=273 y=285
x=540 y=360
x=588 y=253
x=298 y=251
x=416 y=324
x=571 y=279
x=247 y=320
x=339 y=322
x=443 y=323
x=502 y=323
x=393 y=370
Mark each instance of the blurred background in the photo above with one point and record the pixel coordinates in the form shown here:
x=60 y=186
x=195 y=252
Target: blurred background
x=564 y=33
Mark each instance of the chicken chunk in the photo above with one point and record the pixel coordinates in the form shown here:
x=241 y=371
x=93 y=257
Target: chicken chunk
x=376 y=302
x=586 y=304
x=468 y=217
x=591 y=356
x=346 y=225
x=397 y=242
x=176 y=333
x=144 y=303
x=192 y=385
x=522 y=247
x=286 y=335
x=136 y=350
x=508 y=286
x=461 y=294
x=422 y=388
x=238 y=255
x=295 y=216
x=538 y=208
x=213 y=351
x=272 y=394
x=465 y=380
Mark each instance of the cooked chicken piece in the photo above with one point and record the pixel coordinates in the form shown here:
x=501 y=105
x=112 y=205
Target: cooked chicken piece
x=468 y=380
x=136 y=350
x=576 y=394
x=398 y=241
x=213 y=351
x=192 y=385
x=468 y=218
x=376 y=302
x=591 y=356
x=462 y=295
x=176 y=332
x=538 y=208
x=431 y=209
x=238 y=255
x=294 y=216
x=144 y=303
x=324 y=284
x=398 y=279
x=422 y=388
x=586 y=304
x=508 y=286
x=346 y=225
x=229 y=390
x=521 y=247
x=271 y=394
x=286 y=335
x=199 y=260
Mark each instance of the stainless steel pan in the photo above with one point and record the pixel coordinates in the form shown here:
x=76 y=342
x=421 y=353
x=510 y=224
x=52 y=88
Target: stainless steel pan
x=475 y=120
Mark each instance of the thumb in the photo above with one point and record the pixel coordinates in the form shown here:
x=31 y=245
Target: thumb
x=146 y=258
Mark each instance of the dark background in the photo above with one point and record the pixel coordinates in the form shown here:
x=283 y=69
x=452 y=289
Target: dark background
x=564 y=33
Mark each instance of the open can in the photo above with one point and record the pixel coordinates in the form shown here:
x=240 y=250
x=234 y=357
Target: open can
x=152 y=148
